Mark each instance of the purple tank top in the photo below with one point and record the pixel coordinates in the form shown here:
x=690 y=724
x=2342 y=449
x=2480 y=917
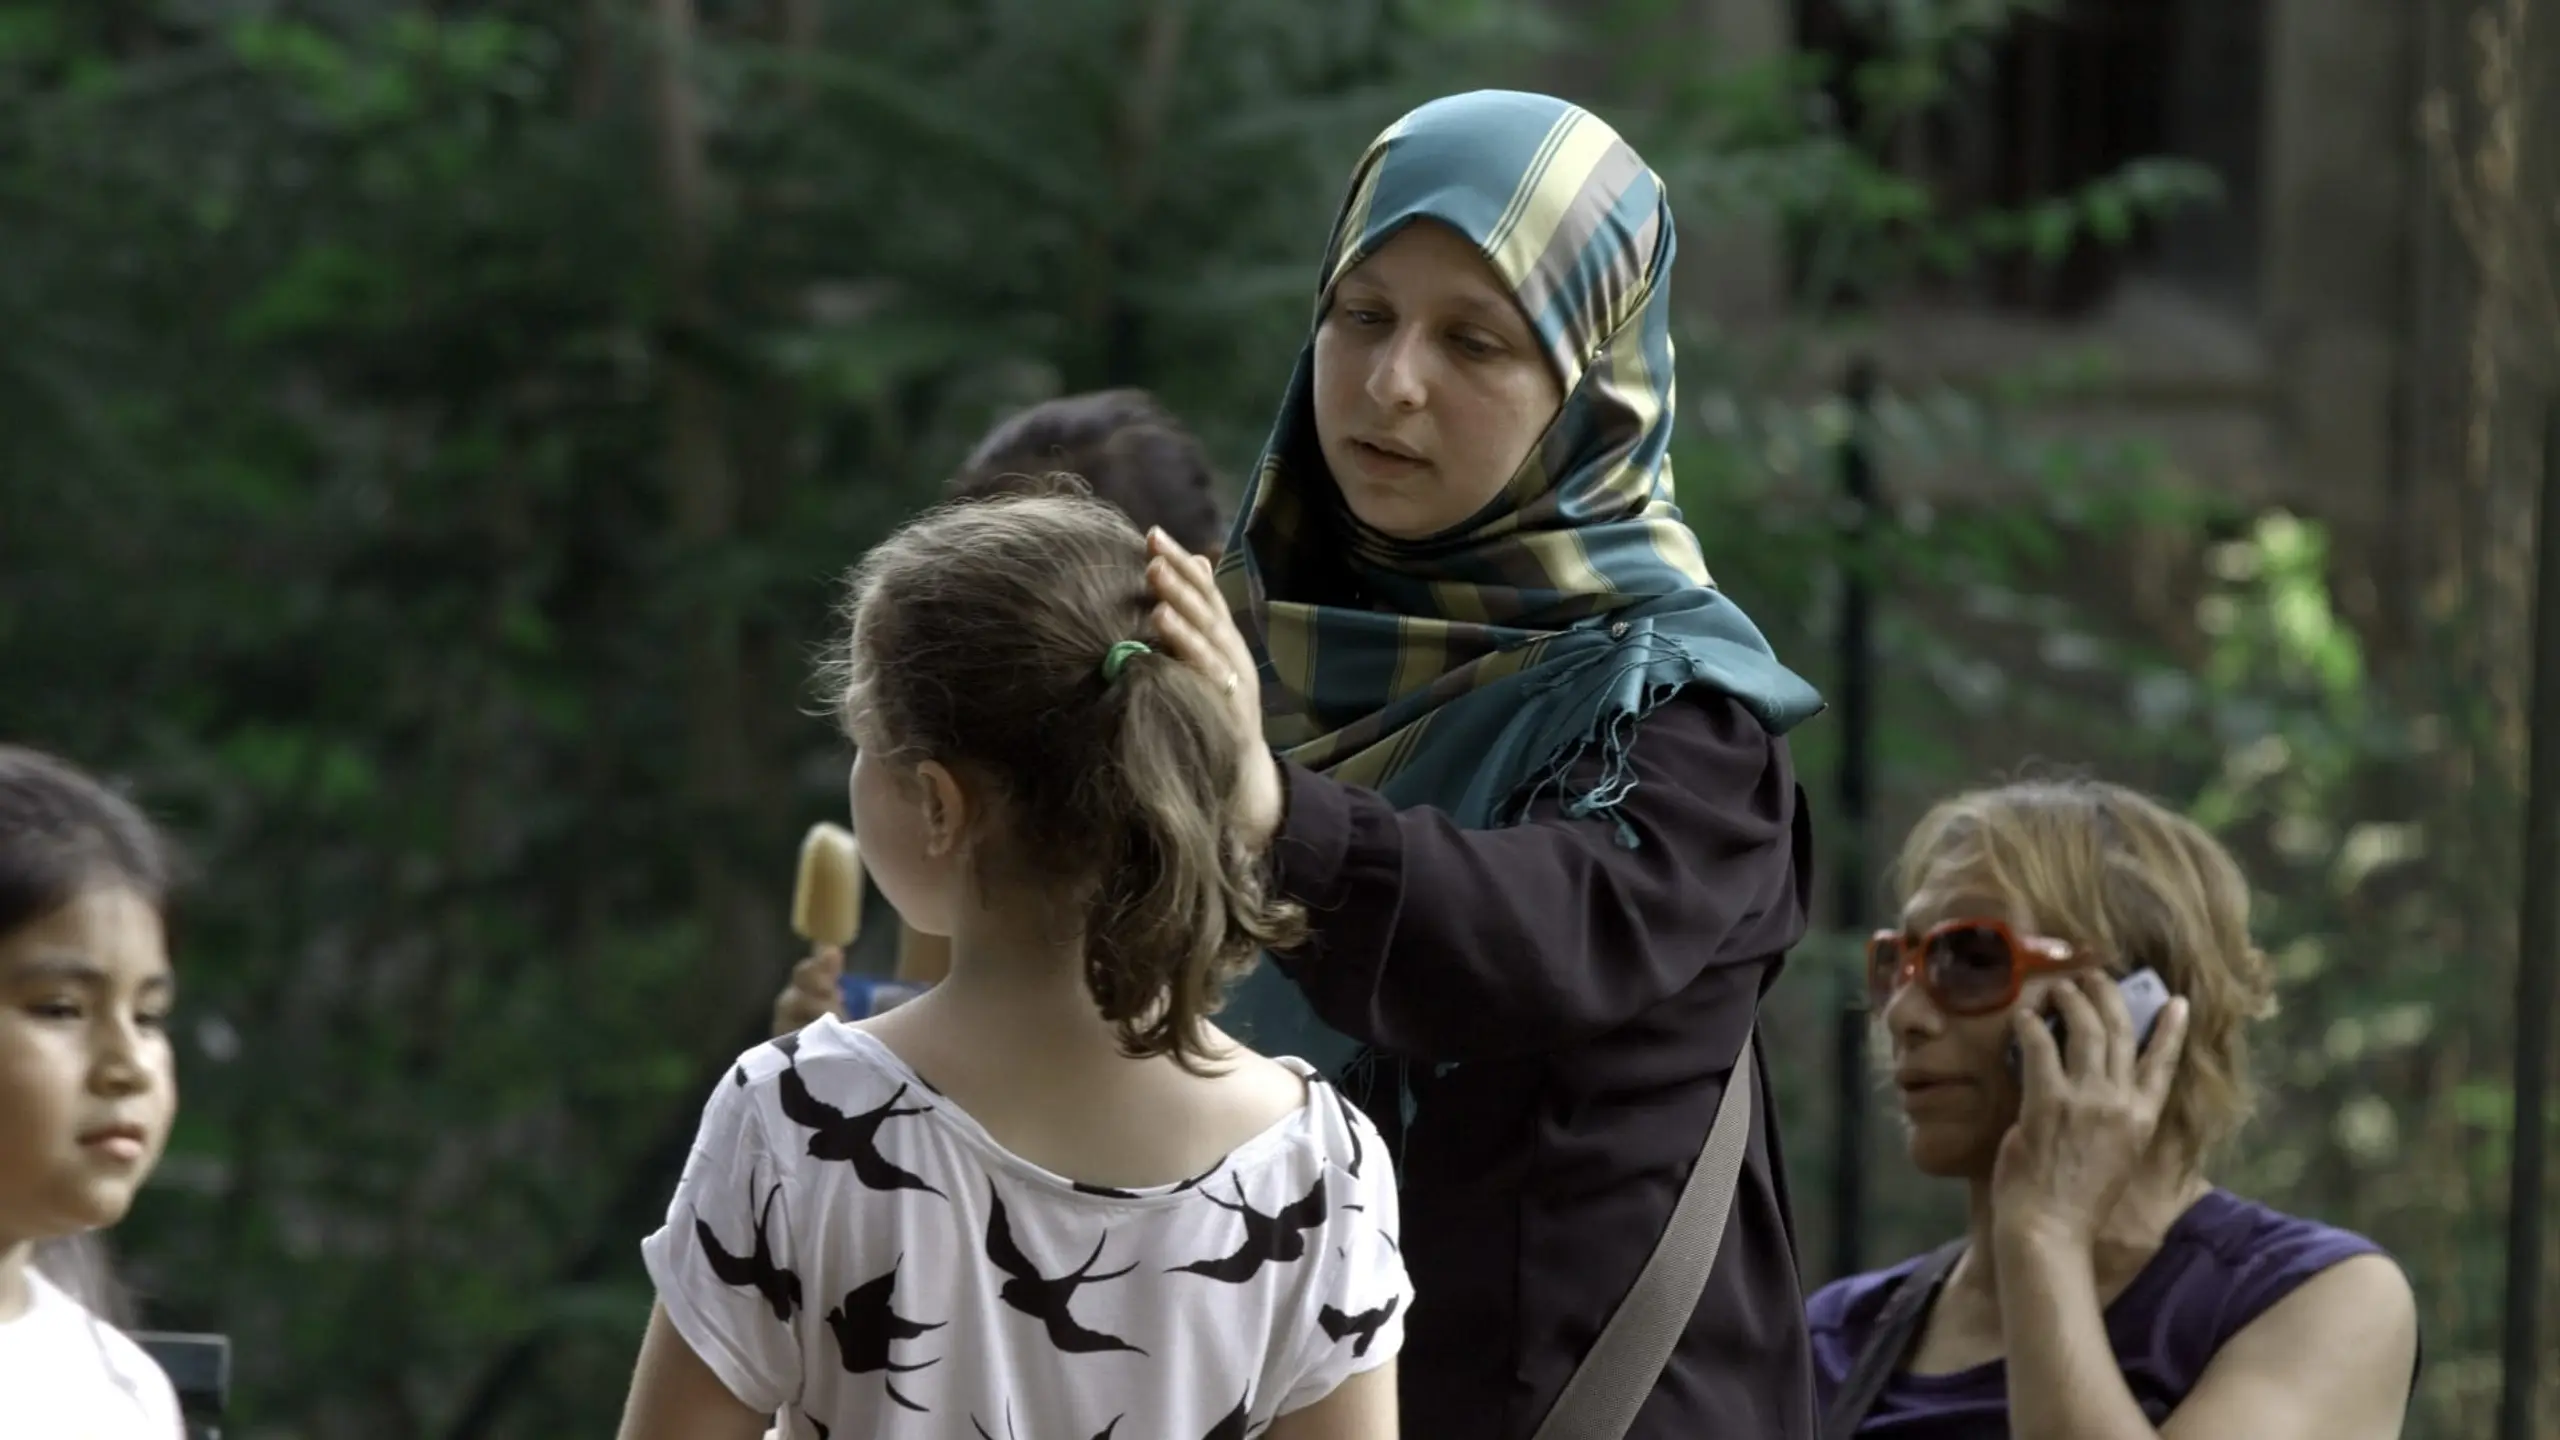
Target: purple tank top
x=2223 y=1264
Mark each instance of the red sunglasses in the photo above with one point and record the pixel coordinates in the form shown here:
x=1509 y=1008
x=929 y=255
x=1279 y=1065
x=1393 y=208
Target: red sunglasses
x=1966 y=966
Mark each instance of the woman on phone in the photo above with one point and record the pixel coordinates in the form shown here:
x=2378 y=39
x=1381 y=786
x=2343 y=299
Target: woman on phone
x=2105 y=1289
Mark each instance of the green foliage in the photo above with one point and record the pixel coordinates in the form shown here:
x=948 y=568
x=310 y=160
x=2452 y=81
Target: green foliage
x=360 y=358
x=336 y=511
x=2386 y=880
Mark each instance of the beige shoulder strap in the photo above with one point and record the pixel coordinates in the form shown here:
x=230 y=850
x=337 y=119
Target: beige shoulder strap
x=1601 y=1400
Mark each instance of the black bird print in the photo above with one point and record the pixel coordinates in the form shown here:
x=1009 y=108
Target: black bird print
x=789 y=1045
x=834 y=1135
x=1233 y=1426
x=1047 y=1300
x=1364 y=1326
x=821 y=1426
x=1353 y=1169
x=756 y=1270
x=1268 y=1239
x=867 y=1325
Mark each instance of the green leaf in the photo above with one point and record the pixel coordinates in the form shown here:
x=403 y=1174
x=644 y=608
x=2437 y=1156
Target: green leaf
x=2050 y=226
x=2110 y=217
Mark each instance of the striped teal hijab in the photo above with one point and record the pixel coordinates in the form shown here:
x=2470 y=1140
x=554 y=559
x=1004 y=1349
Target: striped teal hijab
x=1488 y=659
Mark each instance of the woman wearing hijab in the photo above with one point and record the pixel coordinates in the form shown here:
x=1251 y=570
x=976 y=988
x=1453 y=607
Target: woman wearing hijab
x=1523 y=765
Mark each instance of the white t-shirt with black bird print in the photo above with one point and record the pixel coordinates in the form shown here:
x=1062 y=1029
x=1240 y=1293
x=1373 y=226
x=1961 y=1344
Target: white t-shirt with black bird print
x=850 y=1250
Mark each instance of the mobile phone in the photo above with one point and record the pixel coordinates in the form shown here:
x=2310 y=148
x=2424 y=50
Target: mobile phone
x=2145 y=996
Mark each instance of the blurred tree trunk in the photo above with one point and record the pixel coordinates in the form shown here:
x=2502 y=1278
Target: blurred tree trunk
x=2489 y=356
x=797 y=22
x=593 y=77
x=2493 y=139
x=703 y=500
x=1113 y=341
x=778 y=204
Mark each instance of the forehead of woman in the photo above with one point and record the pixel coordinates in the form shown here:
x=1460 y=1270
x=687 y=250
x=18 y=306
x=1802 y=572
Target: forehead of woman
x=1426 y=263
x=1958 y=891
x=1987 y=861
x=1569 y=218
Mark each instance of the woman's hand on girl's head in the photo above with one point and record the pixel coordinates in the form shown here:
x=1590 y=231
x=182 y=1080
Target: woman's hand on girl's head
x=2086 y=1118
x=1192 y=621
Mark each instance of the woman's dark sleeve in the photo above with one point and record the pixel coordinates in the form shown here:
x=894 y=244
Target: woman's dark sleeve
x=1440 y=943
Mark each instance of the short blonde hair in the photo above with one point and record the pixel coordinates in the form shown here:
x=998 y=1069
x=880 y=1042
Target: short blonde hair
x=2124 y=877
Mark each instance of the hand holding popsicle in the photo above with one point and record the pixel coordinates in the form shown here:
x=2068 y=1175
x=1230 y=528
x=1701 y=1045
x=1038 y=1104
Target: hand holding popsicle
x=815 y=990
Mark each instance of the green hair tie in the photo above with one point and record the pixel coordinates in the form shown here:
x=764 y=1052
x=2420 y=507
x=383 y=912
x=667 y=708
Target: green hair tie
x=1117 y=657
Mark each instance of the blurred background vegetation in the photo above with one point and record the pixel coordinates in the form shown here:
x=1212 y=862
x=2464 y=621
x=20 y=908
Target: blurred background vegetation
x=429 y=432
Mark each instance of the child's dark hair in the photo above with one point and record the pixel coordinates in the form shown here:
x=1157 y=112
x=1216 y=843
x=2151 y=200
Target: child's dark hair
x=975 y=636
x=1126 y=445
x=62 y=832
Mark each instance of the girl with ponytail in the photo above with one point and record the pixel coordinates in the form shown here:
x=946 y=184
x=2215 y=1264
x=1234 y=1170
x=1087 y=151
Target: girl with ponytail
x=1049 y=1197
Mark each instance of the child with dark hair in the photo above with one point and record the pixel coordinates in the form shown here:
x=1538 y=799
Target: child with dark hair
x=87 y=1090
x=1048 y=1197
x=1123 y=443
x=1132 y=454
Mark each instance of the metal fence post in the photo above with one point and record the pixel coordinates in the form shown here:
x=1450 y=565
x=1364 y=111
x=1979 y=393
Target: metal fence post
x=1850 y=900
x=2537 y=958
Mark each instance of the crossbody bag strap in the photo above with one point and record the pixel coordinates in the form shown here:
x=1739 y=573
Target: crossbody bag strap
x=1600 y=1401
x=1889 y=1342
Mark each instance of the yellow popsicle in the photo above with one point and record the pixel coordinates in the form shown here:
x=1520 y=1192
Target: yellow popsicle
x=826 y=904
